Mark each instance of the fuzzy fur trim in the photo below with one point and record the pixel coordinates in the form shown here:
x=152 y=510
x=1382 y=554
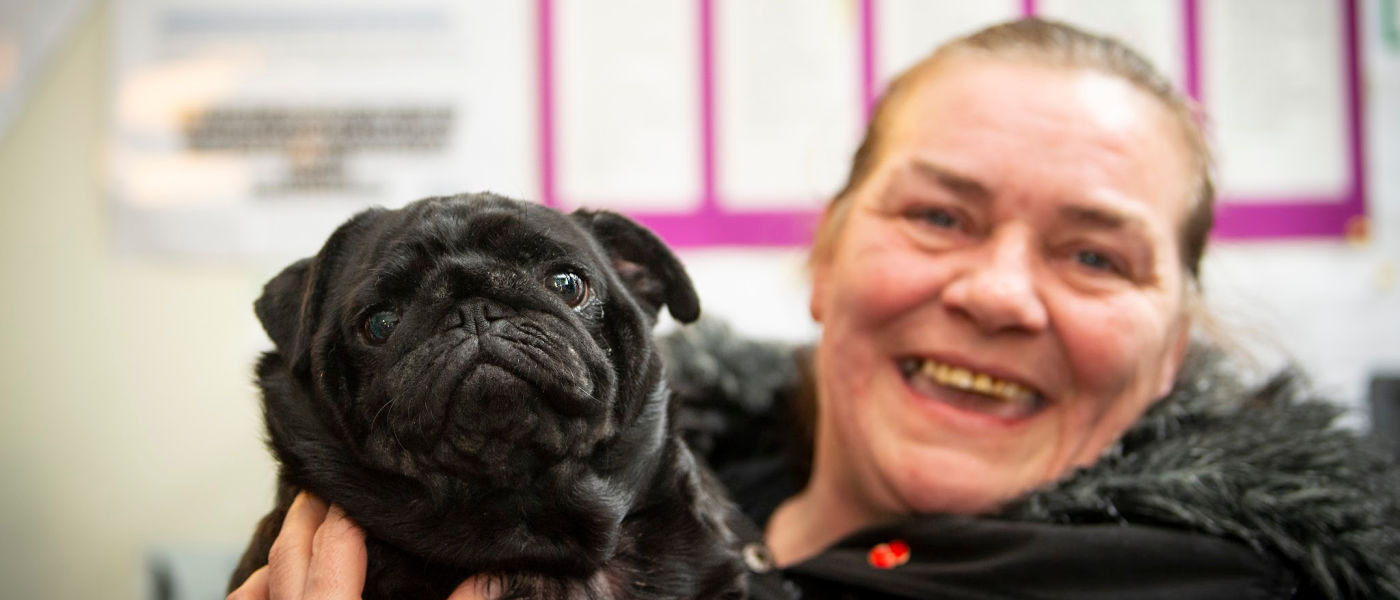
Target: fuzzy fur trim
x=1262 y=464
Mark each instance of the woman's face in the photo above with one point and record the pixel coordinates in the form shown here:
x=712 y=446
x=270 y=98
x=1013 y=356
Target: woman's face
x=1005 y=296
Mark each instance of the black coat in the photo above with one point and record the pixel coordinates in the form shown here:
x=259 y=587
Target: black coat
x=1221 y=490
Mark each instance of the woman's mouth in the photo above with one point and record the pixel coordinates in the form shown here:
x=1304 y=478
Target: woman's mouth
x=970 y=390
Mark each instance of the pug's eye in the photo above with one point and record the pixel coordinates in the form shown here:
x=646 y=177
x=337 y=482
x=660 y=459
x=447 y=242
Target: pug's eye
x=379 y=325
x=569 y=286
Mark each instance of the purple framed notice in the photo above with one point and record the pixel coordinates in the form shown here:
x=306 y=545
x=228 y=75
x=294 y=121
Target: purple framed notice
x=713 y=220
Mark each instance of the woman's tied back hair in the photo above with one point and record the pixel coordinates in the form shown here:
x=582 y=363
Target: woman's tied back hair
x=1052 y=44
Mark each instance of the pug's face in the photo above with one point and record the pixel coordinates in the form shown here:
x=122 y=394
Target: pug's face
x=475 y=371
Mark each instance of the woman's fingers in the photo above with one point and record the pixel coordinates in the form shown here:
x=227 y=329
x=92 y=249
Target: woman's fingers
x=290 y=556
x=320 y=555
x=338 y=556
x=477 y=587
x=253 y=588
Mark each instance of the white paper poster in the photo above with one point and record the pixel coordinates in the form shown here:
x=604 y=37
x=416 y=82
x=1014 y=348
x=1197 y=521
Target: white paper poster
x=1277 y=97
x=253 y=127
x=787 y=100
x=627 y=103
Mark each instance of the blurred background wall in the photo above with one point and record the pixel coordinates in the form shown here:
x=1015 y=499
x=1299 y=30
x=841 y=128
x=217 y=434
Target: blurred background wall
x=129 y=425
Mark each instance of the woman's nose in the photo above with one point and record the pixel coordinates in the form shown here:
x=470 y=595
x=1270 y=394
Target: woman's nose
x=997 y=290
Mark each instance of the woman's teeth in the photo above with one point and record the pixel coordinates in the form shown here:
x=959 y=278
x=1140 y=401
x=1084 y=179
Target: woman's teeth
x=1008 y=398
x=972 y=381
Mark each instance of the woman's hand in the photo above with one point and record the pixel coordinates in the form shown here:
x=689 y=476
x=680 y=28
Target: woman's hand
x=320 y=555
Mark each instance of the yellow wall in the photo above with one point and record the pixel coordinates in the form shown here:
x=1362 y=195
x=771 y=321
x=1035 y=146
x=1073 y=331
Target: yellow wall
x=127 y=413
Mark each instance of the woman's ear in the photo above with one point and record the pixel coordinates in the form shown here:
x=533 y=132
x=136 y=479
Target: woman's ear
x=819 y=283
x=1176 y=355
x=823 y=254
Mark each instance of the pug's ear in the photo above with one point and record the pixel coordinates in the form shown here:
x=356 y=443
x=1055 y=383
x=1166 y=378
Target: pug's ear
x=289 y=305
x=280 y=307
x=644 y=263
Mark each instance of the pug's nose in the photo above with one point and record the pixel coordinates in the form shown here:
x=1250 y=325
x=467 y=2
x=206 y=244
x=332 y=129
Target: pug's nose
x=477 y=314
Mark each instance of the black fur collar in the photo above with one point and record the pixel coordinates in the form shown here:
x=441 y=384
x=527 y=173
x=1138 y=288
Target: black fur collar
x=1263 y=464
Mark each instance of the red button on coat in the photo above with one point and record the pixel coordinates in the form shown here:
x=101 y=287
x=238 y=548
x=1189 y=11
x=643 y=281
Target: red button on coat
x=889 y=556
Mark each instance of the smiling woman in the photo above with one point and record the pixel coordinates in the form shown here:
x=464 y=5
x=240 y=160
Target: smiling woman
x=1008 y=233
x=1005 y=389
x=1019 y=226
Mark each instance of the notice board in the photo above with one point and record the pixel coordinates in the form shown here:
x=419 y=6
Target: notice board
x=253 y=126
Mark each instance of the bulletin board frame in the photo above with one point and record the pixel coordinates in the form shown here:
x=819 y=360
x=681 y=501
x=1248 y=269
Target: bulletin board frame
x=713 y=223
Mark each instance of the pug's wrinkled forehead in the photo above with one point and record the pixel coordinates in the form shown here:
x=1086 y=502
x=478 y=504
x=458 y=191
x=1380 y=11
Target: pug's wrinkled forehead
x=516 y=231
x=461 y=246
x=513 y=233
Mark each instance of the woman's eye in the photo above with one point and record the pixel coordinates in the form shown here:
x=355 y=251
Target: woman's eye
x=380 y=325
x=1095 y=260
x=569 y=286
x=939 y=218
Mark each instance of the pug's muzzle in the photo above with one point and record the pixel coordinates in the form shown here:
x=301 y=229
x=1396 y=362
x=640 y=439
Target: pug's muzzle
x=492 y=396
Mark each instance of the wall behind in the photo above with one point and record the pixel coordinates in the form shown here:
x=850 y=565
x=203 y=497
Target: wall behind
x=127 y=416
x=1333 y=307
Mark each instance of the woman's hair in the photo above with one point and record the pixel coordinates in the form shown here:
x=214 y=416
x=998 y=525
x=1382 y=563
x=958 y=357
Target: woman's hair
x=1045 y=43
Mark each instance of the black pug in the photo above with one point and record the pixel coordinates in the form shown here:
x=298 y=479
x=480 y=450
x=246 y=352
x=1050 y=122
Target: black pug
x=473 y=380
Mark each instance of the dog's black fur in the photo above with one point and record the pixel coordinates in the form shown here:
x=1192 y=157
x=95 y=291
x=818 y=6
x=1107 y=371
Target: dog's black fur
x=496 y=429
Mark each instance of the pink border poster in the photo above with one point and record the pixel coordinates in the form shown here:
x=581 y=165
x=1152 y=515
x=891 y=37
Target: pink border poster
x=1312 y=187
